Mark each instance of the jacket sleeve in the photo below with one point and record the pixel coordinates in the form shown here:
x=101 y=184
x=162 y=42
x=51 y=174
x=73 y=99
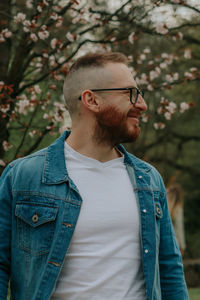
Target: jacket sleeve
x=173 y=286
x=5 y=230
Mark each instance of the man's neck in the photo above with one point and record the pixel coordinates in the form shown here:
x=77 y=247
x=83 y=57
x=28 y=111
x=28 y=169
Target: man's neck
x=85 y=145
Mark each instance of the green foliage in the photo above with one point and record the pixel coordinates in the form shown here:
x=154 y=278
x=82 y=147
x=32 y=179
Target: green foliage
x=194 y=294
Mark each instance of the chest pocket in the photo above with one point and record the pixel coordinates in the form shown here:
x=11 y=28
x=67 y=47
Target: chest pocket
x=35 y=227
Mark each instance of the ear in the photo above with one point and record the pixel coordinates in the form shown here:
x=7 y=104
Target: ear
x=90 y=100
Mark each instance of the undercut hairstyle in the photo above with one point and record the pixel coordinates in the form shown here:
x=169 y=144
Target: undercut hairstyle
x=89 y=72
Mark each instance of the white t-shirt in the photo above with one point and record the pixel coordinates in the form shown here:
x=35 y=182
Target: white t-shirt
x=104 y=257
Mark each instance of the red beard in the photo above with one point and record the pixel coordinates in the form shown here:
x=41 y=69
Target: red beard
x=112 y=127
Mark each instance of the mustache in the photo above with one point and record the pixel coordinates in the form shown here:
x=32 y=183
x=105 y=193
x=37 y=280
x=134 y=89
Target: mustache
x=134 y=113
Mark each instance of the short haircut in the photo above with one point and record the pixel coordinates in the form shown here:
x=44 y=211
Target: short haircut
x=88 y=72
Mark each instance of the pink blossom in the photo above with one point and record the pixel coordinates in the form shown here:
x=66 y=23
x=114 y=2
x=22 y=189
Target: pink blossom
x=63 y=128
x=77 y=19
x=150 y=87
x=171 y=107
x=142 y=56
x=176 y=76
x=176 y=1
x=161 y=28
x=151 y=62
x=169 y=78
x=147 y=51
x=54 y=16
x=46 y=55
x=63 y=3
x=153 y=74
x=45 y=3
x=142 y=80
x=34 y=37
x=53 y=43
x=61 y=59
x=167 y=115
x=193 y=69
x=59 y=106
x=180 y=35
x=2 y=163
x=52 y=60
x=160 y=110
x=27 y=26
x=189 y=75
x=70 y=37
x=29 y=4
x=39 y=8
x=19 y=18
x=131 y=38
x=6 y=33
x=187 y=53
x=164 y=55
x=32 y=133
x=164 y=101
x=163 y=65
x=37 y=89
x=45 y=116
x=43 y=34
x=184 y=106
x=2 y=38
x=7 y=145
x=4 y=108
x=159 y=125
x=145 y=118
x=58 y=77
x=2 y=83
x=22 y=106
x=59 y=21
x=58 y=117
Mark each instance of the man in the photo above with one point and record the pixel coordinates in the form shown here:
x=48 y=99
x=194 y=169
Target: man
x=83 y=218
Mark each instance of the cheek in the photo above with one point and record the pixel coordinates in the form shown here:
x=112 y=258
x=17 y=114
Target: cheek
x=111 y=116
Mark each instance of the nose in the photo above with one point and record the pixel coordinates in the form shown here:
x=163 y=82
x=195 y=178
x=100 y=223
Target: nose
x=141 y=104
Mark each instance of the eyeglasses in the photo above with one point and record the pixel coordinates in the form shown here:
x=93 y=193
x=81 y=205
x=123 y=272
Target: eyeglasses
x=133 y=92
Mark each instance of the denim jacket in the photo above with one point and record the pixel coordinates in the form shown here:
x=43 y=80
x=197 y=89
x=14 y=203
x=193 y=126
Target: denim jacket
x=39 y=208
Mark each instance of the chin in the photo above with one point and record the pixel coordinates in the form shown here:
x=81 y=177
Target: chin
x=131 y=137
x=133 y=134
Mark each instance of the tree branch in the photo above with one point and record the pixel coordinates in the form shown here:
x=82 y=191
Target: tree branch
x=176 y=165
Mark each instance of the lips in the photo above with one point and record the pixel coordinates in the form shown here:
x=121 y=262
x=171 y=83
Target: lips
x=135 y=117
x=134 y=114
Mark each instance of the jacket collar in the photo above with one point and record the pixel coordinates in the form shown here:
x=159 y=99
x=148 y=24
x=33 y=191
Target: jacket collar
x=55 y=170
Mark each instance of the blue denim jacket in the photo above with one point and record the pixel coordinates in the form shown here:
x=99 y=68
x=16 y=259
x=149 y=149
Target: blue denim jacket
x=39 y=208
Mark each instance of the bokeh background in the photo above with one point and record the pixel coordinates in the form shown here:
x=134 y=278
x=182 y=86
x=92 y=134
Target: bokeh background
x=39 y=41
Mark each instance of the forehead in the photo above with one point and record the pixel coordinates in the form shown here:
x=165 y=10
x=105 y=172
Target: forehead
x=121 y=75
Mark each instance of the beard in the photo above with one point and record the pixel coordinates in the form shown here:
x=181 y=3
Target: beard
x=112 y=128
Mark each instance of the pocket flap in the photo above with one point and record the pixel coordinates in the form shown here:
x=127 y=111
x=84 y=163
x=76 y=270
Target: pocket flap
x=35 y=214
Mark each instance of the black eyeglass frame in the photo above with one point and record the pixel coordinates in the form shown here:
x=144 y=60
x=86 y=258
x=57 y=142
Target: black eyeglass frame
x=138 y=92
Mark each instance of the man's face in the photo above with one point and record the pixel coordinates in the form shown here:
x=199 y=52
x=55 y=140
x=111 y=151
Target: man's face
x=118 y=119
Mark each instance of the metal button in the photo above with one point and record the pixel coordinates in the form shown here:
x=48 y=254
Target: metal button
x=158 y=210
x=35 y=218
x=146 y=251
x=144 y=210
